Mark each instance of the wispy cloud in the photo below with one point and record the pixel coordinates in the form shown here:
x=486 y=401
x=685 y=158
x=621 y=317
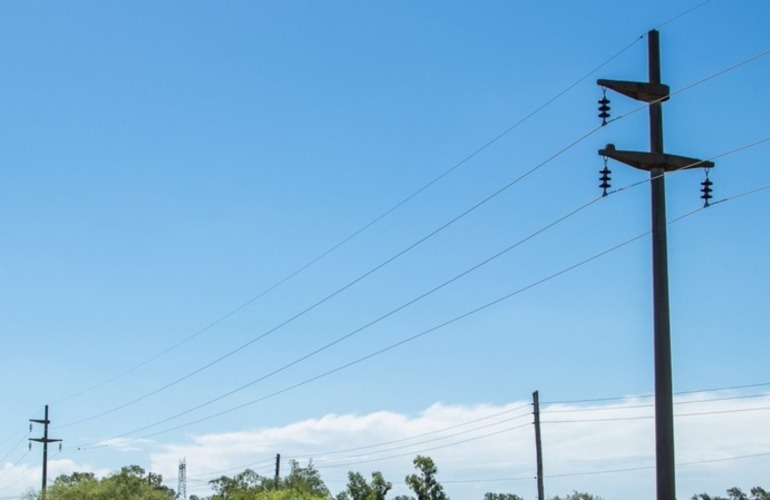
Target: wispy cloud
x=606 y=448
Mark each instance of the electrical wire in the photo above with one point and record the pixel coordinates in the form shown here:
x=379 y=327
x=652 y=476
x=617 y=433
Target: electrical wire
x=412 y=246
x=361 y=277
x=427 y=331
x=362 y=229
x=375 y=450
x=648 y=467
x=679 y=393
x=440 y=447
x=649 y=417
x=411 y=445
x=399 y=254
x=380 y=318
x=650 y=405
x=682 y=14
x=404 y=341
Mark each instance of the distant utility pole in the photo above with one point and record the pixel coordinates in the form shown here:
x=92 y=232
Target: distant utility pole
x=538 y=446
x=45 y=440
x=657 y=163
x=277 y=469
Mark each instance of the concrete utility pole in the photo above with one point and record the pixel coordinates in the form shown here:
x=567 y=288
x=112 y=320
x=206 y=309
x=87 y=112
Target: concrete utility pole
x=45 y=440
x=538 y=446
x=657 y=163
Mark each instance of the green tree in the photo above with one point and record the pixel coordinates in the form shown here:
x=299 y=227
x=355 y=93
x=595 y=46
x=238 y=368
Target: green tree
x=757 y=493
x=302 y=483
x=501 y=496
x=576 y=495
x=305 y=480
x=424 y=484
x=130 y=483
x=359 y=489
x=229 y=487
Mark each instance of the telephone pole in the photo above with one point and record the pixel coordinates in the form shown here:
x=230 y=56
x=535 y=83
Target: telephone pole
x=45 y=440
x=277 y=470
x=538 y=446
x=658 y=164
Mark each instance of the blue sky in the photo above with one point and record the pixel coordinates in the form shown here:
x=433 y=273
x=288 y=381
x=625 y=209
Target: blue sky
x=165 y=163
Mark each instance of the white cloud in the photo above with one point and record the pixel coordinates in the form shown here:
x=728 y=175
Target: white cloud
x=604 y=448
x=124 y=444
x=479 y=444
x=16 y=478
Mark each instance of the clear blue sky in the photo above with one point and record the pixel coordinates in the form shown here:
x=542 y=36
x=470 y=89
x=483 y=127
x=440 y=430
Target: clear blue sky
x=164 y=163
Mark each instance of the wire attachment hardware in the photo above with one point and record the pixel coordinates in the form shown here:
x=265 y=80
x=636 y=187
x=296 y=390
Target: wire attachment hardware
x=706 y=189
x=605 y=178
x=604 y=107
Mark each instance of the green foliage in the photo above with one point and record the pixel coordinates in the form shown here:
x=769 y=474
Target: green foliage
x=130 y=483
x=359 y=489
x=501 y=496
x=302 y=483
x=576 y=495
x=757 y=493
x=306 y=480
x=424 y=484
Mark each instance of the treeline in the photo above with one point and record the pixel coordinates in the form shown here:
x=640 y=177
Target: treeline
x=302 y=483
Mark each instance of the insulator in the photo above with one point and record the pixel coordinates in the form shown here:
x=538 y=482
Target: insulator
x=605 y=178
x=30 y=427
x=604 y=107
x=30 y=446
x=706 y=190
x=59 y=447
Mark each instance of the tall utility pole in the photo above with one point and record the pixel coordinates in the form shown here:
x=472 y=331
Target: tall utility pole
x=657 y=163
x=538 y=446
x=45 y=440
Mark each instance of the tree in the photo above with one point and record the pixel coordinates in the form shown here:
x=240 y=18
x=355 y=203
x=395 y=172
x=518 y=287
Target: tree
x=425 y=485
x=359 y=489
x=228 y=487
x=576 y=495
x=130 y=483
x=501 y=496
x=305 y=480
x=302 y=483
x=757 y=493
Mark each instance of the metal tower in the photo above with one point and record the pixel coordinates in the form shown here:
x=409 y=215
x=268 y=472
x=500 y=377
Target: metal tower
x=181 y=490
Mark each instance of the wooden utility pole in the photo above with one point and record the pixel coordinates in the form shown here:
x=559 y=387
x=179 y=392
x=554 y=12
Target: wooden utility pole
x=277 y=469
x=45 y=440
x=538 y=446
x=657 y=163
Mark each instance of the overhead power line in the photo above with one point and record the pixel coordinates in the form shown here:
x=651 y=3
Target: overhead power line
x=135 y=431
x=361 y=277
x=361 y=230
x=399 y=254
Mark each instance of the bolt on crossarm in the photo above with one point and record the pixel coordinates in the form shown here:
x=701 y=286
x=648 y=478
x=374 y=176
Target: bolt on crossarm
x=657 y=163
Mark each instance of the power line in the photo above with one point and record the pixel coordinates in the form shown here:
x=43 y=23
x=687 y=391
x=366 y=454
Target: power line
x=388 y=261
x=393 y=346
x=361 y=277
x=363 y=228
x=679 y=393
x=425 y=450
x=378 y=319
x=412 y=444
x=627 y=407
